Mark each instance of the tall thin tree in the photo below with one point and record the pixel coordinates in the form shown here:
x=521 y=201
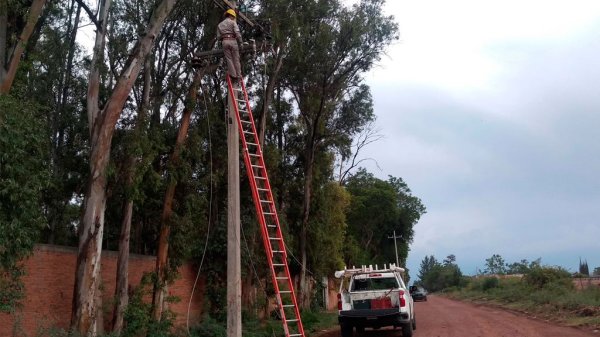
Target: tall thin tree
x=102 y=125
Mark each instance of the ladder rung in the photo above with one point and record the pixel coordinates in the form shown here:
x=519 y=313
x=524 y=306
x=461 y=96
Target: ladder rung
x=281 y=278
x=248 y=132
x=247 y=122
x=263 y=178
x=269 y=213
x=253 y=155
x=295 y=334
x=262 y=189
x=288 y=305
x=274 y=238
x=253 y=144
x=272 y=226
x=285 y=291
x=278 y=264
x=291 y=320
x=257 y=166
x=278 y=251
x=266 y=201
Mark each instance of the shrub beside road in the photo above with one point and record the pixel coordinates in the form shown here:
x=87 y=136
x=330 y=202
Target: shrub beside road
x=546 y=293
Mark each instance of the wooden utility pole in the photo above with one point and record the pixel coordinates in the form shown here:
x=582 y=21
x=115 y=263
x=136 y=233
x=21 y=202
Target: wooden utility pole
x=234 y=274
x=395 y=246
x=234 y=269
x=234 y=286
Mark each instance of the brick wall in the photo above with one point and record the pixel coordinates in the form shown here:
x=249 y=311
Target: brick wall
x=586 y=282
x=49 y=281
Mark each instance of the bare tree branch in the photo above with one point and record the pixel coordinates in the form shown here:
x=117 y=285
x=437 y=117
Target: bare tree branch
x=368 y=136
x=90 y=14
x=7 y=77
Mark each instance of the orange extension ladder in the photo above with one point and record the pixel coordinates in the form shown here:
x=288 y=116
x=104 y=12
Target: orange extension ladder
x=266 y=212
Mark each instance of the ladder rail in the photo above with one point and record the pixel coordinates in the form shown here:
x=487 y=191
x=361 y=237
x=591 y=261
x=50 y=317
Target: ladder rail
x=246 y=162
x=272 y=212
x=264 y=169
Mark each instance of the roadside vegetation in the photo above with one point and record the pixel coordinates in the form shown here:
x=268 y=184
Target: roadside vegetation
x=546 y=292
x=314 y=322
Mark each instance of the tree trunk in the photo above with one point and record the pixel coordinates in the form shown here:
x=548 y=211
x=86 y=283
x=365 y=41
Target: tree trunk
x=312 y=124
x=84 y=311
x=3 y=41
x=102 y=129
x=308 y=177
x=7 y=78
x=262 y=123
x=121 y=294
x=97 y=59
x=165 y=226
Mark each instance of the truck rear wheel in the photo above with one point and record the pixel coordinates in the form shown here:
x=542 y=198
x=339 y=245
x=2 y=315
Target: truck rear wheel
x=346 y=330
x=407 y=330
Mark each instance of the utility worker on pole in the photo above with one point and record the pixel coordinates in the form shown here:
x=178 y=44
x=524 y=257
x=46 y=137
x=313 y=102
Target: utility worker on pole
x=231 y=40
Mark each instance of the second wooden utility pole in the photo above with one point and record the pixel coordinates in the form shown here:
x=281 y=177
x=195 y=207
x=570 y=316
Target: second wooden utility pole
x=396 y=247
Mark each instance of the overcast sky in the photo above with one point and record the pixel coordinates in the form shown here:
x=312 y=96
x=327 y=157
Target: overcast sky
x=492 y=111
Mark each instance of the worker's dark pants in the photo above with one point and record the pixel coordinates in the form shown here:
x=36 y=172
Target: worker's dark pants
x=232 y=56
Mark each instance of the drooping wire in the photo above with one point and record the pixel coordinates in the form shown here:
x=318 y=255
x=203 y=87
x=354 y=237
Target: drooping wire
x=298 y=261
x=209 y=206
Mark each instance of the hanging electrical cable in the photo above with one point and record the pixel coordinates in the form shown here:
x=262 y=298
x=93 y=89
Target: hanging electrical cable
x=209 y=206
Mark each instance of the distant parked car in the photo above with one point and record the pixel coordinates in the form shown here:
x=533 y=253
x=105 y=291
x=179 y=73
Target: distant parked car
x=418 y=293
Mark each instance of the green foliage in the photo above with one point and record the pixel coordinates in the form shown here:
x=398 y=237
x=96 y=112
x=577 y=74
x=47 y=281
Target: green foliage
x=252 y=327
x=544 y=276
x=495 y=265
x=435 y=276
x=522 y=267
x=557 y=298
x=23 y=175
x=138 y=315
x=427 y=265
x=328 y=228
x=377 y=209
x=209 y=327
x=583 y=268
x=48 y=149
x=490 y=283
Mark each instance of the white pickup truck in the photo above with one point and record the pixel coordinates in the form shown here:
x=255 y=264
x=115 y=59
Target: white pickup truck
x=373 y=298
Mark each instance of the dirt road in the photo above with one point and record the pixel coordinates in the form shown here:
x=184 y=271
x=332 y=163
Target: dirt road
x=441 y=317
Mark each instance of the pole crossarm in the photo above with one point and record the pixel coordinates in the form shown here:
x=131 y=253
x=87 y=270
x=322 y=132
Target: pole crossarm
x=204 y=58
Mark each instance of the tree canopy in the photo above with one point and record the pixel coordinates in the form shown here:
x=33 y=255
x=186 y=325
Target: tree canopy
x=127 y=142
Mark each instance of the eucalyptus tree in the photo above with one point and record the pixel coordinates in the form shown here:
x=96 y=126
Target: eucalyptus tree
x=45 y=103
x=11 y=50
x=427 y=265
x=152 y=140
x=331 y=48
x=52 y=76
x=102 y=125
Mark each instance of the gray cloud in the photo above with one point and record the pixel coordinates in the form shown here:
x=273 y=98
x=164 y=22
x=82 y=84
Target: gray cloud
x=512 y=168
